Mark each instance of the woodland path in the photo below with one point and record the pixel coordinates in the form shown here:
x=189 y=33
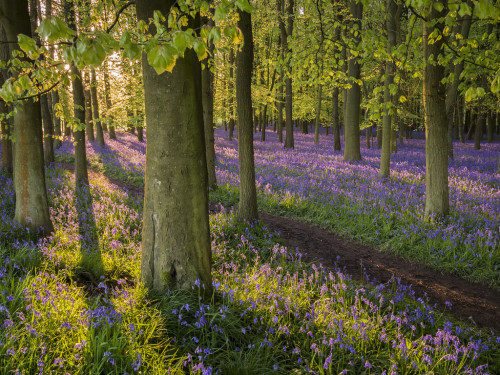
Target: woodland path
x=470 y=301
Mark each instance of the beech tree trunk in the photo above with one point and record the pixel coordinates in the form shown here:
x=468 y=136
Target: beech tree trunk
x=247 y=208
x=352 y=148
x=80 y=109
x=436 y=123
x=6 y=125
x=176 y=252
x=318 y=115
x=452 y=90
x=336 y=120
x=231 y=95
x=385 y=159
x=57 y=120
x=109 y=105
x=32 y=207
x=87 y=97
x=207 y=83
x=95 y=108
x=289 y=140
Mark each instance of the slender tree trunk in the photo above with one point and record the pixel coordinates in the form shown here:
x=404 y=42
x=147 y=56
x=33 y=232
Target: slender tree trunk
x=109 y=105
x=231 y=95
x=289 y=140
x=247 y=208
x=176 y=251
x=452 y=90
x=352 y=150
x=264 y=124
x=57 y=120
x=385 y=159
x=207 y=83
x=491 y=126
x=48 y=133
x=336 y=119
x=29 y=175
x=81 y=174
x=6 y=124
x=459 y=108
x=436 y=123
x=95 y=107
x=88 y=107
x=318 y=115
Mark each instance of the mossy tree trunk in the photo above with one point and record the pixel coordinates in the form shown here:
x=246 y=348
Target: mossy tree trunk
x=436 y=123
x=176 y=250
x=352 y=148
x=247 y=208
x=29 y=175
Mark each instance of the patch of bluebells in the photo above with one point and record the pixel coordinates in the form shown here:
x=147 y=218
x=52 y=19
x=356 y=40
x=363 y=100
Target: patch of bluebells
x=313 y=181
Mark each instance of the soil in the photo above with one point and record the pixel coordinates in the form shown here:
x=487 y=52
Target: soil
x=471 y=302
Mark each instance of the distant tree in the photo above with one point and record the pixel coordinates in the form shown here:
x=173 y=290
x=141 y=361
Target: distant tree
x=95 y=107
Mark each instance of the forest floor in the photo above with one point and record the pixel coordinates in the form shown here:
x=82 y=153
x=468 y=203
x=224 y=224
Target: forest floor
x=469 y=301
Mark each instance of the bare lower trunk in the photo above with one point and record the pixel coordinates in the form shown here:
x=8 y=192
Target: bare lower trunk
x=176 y=251
x=247 y=208
x=436 y=124
x=88 y=108
x=318 y=115
x=231 y=95
x=95 y=108
x=336 y=120
x=48 y=131
x=32 y=207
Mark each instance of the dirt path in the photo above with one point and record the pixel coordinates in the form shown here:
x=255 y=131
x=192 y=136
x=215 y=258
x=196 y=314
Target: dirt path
x=470 y=301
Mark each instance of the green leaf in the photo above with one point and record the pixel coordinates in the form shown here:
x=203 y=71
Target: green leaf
x=438 y=6
x=28 y=45
x=244 y=5
x=161 y=58
x=220 y=13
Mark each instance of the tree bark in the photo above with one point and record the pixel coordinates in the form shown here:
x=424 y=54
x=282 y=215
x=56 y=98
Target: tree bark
x=80 y=109
x=231 y=95
x=176 y=252
x=452 y=90
x=95 y=108
x=247 y=208
x=336 y=119
x=352 y=149
x=289 y=140
x=6 y=124
x=57 y=120
x=32 y=207
x=109 y=105
x=436 y=123
x=207 y=83
x=318 y=114
x=385 y=159
x=87 y=97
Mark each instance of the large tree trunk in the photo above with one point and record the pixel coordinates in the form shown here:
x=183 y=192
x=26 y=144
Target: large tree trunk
x=95 y=108
x=29 y=175
x=491 y=126
x=289 y=140
x=247 y=208
x=436 y=123
x=207 y=83
x=385 y=159
x=107 y=99
x=352 y=149
x=80 y=109
x=176 y=251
